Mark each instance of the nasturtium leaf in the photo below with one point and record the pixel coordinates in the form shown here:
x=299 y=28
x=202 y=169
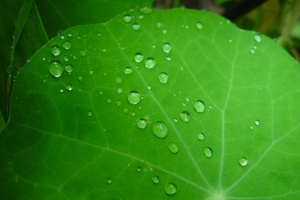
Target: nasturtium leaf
x=225 y=124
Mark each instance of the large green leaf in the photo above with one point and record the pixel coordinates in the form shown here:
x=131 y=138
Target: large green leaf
x=107 y=129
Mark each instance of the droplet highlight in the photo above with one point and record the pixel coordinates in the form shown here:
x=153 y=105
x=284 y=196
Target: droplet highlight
x=134 y=97
x=257 y=38
x=160 y=129
x=199 y=106
x=185 y=116
x=109 y=181
x=243 y=161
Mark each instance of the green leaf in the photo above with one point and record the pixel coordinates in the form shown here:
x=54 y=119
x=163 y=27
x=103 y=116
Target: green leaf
x=187 y=106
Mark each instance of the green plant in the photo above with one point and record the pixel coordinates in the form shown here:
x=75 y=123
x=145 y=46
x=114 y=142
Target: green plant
x=153 y=104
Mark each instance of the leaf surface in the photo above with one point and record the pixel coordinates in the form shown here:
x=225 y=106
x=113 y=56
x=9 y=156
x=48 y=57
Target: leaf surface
x=112 y=128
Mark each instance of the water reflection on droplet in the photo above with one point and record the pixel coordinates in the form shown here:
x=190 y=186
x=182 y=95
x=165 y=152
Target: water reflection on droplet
x=173 y=147
x=163 y=77
x=155 y=179
x=150 y=63
x=199 y=106
x=141 y=123
x=243 y=161
x=56 y=69
x=160 y=129
x=170 y=188
x=55 y=50
x=138 y=57
x=134 y=97
x=185 y=116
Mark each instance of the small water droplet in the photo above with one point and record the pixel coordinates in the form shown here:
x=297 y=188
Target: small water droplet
x=146 y=9
x=119 y=103
x=207 y=152
x=108 y=100
x=118 y=80
x=138 y=169
x=164 y=31
x=199 y=25
x=199 y=106
x=138 y=57
x=66 y=58
x=128 y=70
x=166 y=47
x=91 y=72
x=160 y=129
x=257 y=38
x=150 y=63
x=99 y=34
x=141 y=123
x=119 y=90
x=175 y=120
x=55 y=50
x=200 y=136
x=109 y=181
x=125 y=110
x=134 y=97
x=66 y=45
x=243 y=161
x=185 y=116
x=251 y=127
x=230 y=40
x=170 y=188
x=80 y=78
x=104 y=74
x=257 y=122
x=127 y=18
x=56 y=69
x=69 y=68
x=159 y=24
x=252 y=51
x=43 y=58
x=163 y=77
x=89 y=113
x=149 y=87
x=61 y=90
x=173 y=147
x=168 y=58
x=83 y=53
x=69 y=87
x=136 y=26
x=155 y=179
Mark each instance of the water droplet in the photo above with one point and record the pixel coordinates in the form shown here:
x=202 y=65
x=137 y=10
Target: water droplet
x=80 y=78
x=257 y=38
x=207 y=152
x=164 y=31
x=89 y=113
x=134 y=97
x=149 y=87
x=155 y=179
x=128 y=70
x=83 y=53
x=119 y=90
x=150 y=63
x=69 y=87
x=166 y=47
x=168 y=58
x=141 y=123
x=199 y=106
x=66 y=45
x=104 y=74
x=138 y=57
x=200 y=136
x=132 y=114
x=163 y=77
x=257 y=122
x=127 y=18
x=146 y=9
x=252 y=51
x=108 y=100
x=170 y=188
x=55 y=50
x=91 y=72
x=175 y=120
x=69 y=68
x=199 y=25
x=99 y=34
x=251 y=127
x=66 y=58
x=230 y=40
x=138 y=169
x=109 y=181
x=159 y=24
x=185 y=116
x=43 y=58
x=119 y=103
x=56 y=69
x=125 y=110
x=136 y=26
x=173 y=147
x=118 y=80
x=61 y=90
x=160 y=129
x=243 y=161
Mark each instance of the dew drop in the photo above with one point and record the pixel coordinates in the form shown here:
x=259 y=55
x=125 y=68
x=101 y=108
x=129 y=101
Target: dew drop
x=200 y=136
x=160 y=129
x=243 y=161
x=170 y=188
x=108 y=100
x=66 y=58
x=251 y=127
x=55 y=50
x=252 y=51
x=128 y=70
x=69 y=87
x=155 y=179
x=80 y=78
x=69 y=68
x=185 y=116
x=125 y=110
x=207 y=152
x=199 y=106
x=118 y=80
x=127 y=18
x=199 y=25
x=141 y=123
x=168 y=58
x=138 y=169
x=134 y=97
x=136 y=26
x=146 y=9
x=138 y=57
x=257 y=38
x=163 y=77
x=119 y=90
x=150 y=63
x=164 y=31
x=159 y=24
x=61 y=90
x=66 y=45
x=83 y=53
x=173 y=147
x=56 y=69
x=89 y=113
x=257 y=122
x=109 y=181
x=166 y=47
x=119 y=103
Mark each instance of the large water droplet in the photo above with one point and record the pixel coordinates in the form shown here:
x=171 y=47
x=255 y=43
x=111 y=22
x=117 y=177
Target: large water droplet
x=155 y=179
x=170 y=188
x=207 y=152
x=257 y=38
x=199 y=106
x=56 y=69
x=127 y=18
x=150 y=63
x=141 y=123
x=134 y=97
x=160 y=129
x=55 y=50
x=66 y=45
x=173 y=147
x=166 y=47
x=128 y=70
x=200 y=136
x=69 y=68
x=136 y=26
x=243 y=161
x=138 y=57
x=185 y=116
x=163 y=77
x=199 y=25
x=146 y=9
x=109 y=181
